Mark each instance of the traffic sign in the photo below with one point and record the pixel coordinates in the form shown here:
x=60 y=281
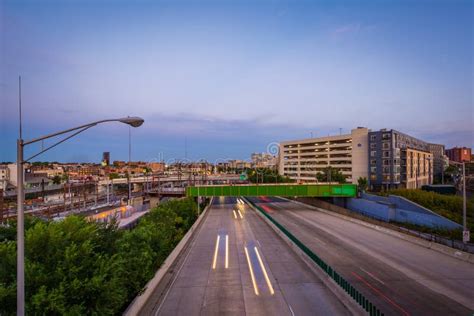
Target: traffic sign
x=466 y=236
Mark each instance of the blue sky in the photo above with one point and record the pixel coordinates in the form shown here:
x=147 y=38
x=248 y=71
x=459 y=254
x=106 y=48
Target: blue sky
x=229 y=77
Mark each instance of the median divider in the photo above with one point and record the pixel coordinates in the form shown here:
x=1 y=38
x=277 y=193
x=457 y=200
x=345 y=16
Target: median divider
x=351 y=292
x=142 y=298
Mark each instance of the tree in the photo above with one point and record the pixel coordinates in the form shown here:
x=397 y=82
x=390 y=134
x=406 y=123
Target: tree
x=266 y=175
x=331 y=175
x=56 y=179
x=363 y=183
x=65 y=177
x=78 y=267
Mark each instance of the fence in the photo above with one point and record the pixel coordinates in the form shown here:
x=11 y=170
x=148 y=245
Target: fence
x=357 y=296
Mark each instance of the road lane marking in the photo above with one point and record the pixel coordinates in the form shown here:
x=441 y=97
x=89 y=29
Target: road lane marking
x=251 y=271
x=373 y=276
x=240 y=214
x=235 y=215
x=291 y=310
x=404 y=312
x=270 y=287
x=215 y=252
x=226 y=251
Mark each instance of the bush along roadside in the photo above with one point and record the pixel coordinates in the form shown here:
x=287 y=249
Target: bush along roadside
x=77 y=267
x=449 y=206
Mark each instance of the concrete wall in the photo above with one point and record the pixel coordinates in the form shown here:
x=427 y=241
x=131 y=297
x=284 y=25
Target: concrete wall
x=360 y=152
x=396 y=208
x=378 y=210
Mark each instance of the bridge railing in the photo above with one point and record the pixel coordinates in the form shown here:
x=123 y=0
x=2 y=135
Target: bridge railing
x=315 y=190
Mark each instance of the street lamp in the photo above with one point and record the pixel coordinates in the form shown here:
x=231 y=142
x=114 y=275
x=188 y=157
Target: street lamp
x=132 y=121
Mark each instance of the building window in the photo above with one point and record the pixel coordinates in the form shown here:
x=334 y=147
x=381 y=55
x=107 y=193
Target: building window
x=373 y=145
x=373 y=153
x=373 y=177
x=373 y=169
x=373 y=137
x=386 y=169
x=386 y=154
x=373 y=161
x=386 y=145
x=386 y=136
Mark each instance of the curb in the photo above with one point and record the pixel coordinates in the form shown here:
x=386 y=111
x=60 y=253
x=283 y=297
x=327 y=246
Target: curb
x=140 y=300
x=455 y=253
x=345 y=299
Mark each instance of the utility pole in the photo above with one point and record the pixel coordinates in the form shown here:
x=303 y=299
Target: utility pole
x=466 y=236
x=108 y=190
x=129 y=162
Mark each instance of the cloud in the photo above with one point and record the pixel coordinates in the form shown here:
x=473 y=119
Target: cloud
x=349 y=28
x=352 y=28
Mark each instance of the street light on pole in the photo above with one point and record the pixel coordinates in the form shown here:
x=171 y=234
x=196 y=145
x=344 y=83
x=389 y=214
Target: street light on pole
x=132 y=121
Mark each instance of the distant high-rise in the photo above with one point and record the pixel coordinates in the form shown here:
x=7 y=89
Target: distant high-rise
x=106 y=158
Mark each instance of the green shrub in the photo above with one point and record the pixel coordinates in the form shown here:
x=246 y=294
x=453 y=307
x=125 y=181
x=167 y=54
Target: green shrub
x=77 y=267
x=449 y=206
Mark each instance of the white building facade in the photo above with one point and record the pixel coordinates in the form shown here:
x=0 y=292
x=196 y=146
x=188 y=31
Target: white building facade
x=303 y=159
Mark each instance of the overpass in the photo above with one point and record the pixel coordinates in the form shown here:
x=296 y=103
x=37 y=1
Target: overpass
x=284 y=189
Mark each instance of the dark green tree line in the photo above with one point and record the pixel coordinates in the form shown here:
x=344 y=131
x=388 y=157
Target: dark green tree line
x=77 y=267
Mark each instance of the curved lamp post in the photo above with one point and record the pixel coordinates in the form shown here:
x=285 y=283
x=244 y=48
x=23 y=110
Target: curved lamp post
x=132 y=121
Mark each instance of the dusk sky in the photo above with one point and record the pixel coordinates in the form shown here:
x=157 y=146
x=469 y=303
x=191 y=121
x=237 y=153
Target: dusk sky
x=228 y=77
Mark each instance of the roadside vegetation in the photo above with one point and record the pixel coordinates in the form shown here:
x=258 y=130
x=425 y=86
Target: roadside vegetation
x=266 y=175
x=331 y=174
x=449 y=206
x=77 y=267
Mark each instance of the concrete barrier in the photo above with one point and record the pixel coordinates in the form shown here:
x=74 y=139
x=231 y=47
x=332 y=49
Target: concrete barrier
x=456 y=253
x=137 y=304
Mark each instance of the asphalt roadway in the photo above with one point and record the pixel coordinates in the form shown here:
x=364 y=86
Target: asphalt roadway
x=400 y=277
x=236 y=264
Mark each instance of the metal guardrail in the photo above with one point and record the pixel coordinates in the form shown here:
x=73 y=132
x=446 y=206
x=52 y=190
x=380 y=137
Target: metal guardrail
x=357 y=296
x=453 y=243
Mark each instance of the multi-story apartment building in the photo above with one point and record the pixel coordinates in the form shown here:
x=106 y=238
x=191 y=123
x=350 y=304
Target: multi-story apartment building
x=459 y=154
x=303 y=159
x=4 y=176
x=263 y=160
x=417 y=168
x=398 y=160
x=440 y=160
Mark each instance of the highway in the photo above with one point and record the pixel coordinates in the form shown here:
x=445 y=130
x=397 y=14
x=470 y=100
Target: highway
x=236 y=264
x=400 y=277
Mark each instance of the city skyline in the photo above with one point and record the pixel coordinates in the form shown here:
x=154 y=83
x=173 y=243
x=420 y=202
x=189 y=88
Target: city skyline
x=228 y=79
